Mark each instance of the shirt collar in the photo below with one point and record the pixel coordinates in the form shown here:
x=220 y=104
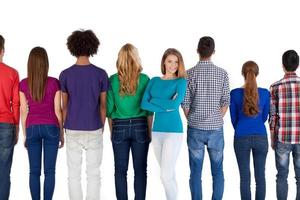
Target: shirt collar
x=290 y=75
x=204 y=62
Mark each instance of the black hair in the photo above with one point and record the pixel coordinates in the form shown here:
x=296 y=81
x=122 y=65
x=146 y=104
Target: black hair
x=83 y=43
x=290 y=60
x=2 y=41
x=206 y=46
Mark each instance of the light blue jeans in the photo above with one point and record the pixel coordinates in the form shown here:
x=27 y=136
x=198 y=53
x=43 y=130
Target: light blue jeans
x=214 y=140
x=282 y=156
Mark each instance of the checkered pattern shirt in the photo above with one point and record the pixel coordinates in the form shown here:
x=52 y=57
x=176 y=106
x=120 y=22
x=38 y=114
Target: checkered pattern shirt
x=284 y=117
x=207 y=92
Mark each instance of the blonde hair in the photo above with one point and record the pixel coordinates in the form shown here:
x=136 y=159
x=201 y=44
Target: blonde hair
x=129 y=69
x=180 y=73
x=250 y=70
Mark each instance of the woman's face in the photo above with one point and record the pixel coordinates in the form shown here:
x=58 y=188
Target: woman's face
x=171 y=64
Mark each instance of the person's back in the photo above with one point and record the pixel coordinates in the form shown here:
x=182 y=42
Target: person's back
x=244 y=124
x=84 y=87
x=83 y=83
x=209 y=84
x=129 y=123
x=205 y=103
x=9 y=120
x=285 y=123
x=249 y=109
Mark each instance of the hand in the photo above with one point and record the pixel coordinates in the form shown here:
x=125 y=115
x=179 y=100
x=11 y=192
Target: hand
x=273 y=144
x=24 y=142
x=17 y=134
x=61 y=140
x=150 y=135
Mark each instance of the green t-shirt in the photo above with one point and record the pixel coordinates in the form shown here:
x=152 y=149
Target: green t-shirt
x=128 y=106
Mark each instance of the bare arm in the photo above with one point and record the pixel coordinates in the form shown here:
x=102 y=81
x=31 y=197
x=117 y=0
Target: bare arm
x=65 y=99
x=186 y=112
x=59 y=116
x=103 y=108
x=24 y=112
x=224 y=110
x=110 y=126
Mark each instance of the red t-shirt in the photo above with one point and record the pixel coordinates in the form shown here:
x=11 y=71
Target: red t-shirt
x=9 y=95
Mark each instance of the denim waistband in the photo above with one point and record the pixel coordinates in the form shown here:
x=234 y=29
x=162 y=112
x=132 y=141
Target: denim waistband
x=129 y=121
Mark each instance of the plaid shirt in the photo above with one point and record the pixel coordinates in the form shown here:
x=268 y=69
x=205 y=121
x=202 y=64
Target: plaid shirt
x=207 y=92
x=284 y=118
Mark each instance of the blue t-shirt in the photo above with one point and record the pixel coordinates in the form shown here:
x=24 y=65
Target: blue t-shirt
x=249 y=125
x=84 y=84
x=164 y=98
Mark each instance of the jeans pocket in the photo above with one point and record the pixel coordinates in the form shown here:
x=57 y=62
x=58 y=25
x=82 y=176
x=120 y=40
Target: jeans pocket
x=7 y=137
x=141 y=135
x=194 y=142
x=216 y=141
x=118 y=134
x=52 y=131
x=29 y=133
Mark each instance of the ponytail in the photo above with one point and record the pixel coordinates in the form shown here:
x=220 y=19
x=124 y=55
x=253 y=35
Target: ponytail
x=250 y=71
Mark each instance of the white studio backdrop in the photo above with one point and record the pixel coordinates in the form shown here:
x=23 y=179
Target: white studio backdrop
x=243 y=30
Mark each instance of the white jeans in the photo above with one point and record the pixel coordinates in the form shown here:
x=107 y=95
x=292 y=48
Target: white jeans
x=166 y=148
x=92 y=143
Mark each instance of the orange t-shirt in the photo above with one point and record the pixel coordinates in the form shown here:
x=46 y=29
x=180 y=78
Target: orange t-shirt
x=9 y=95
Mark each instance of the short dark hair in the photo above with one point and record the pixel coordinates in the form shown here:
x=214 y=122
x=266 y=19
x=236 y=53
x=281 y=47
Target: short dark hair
x=83 y=43
x=206 y=46
x=2 y=41
x=290 y=60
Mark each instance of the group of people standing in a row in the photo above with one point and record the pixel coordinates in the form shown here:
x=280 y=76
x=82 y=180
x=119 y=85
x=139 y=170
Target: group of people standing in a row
x=84 y=96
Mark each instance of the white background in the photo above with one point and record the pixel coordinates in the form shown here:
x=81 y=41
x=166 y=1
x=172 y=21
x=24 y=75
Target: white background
x=243 y=30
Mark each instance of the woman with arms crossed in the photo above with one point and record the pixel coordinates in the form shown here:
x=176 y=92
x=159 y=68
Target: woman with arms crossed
x=163 y=96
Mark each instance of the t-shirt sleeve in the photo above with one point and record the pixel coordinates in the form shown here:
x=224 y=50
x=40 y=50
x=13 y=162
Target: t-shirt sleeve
x=105 y=85
x=63 y=82
x=56 y=85
x=22 y=86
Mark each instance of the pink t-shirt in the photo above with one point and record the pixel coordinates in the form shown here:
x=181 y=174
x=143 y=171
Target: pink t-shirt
x=41 y=112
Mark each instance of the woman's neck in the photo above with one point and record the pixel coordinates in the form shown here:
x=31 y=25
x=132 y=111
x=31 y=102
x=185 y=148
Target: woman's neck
x=169 y=76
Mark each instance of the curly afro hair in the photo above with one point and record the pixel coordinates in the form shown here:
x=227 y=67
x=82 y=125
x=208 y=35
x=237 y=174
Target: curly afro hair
x=83 y=43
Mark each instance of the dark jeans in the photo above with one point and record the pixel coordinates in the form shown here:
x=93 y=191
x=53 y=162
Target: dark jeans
x=42 y=138
x=243 y=146
x=282 y=157
x=130 y=134
x=7 y=139
x=214 y=140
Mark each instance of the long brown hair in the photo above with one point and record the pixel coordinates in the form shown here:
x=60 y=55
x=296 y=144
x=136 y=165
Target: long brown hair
x=37 y=72
x=250 y=70
x=180 y=73
x=129 y=69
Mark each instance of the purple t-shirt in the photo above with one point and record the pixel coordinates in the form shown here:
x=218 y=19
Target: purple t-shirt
x=41 y=112
x=84 y=84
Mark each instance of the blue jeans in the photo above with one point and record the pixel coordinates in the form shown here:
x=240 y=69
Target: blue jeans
x=243 y=146
x=130 y=134
x=42 y=138
x=7 y=139
x=282 y=157
x=214 y=140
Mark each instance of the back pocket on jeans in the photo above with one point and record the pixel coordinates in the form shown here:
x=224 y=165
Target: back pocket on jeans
x=141 y=135
x=118 y=135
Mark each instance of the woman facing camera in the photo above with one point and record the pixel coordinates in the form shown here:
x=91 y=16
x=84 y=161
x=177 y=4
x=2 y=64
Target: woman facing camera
x=41 y=121
x=249 y=109
x=163 y=96
x=129 y=122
